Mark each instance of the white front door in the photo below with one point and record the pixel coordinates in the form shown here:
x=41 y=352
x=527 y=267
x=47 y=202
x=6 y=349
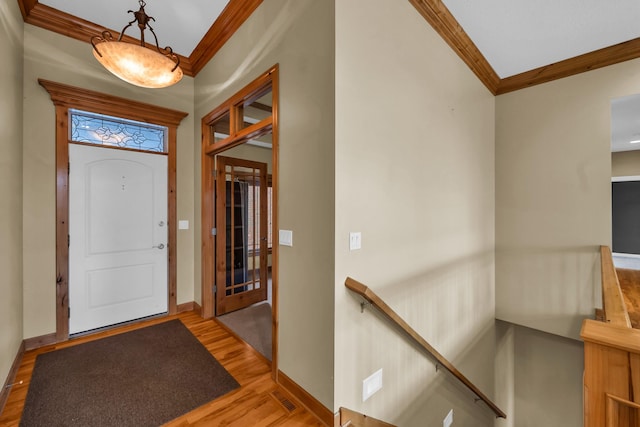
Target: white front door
x=117 y=236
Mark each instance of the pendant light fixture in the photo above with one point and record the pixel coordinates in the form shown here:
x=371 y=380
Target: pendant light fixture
x=138 y=64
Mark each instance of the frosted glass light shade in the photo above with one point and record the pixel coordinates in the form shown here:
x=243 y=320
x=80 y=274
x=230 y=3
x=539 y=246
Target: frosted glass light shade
x=137 y=65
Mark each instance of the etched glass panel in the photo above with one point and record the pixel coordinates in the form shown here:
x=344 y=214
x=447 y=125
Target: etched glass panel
x=99 y=129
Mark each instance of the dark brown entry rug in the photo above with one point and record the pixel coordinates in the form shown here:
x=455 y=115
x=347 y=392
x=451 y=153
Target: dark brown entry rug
x=144 y=377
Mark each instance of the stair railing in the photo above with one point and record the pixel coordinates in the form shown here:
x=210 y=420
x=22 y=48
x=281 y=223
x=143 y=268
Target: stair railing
x=611 y=357
x=388 y=312
x=615 y=311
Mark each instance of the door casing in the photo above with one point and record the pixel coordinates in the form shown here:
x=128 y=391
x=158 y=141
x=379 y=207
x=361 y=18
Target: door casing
x=65 y=97
x=238 y=135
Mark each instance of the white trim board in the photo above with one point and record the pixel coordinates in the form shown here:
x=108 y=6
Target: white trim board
x=625 y=178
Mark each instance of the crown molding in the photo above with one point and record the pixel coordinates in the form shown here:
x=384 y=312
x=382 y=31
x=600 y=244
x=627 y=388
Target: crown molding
x=439 y=17
x=589 y=61
x=231 y=18
x=433 y=11
x=437 y=14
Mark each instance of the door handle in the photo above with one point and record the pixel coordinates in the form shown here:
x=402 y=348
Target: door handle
x=160 y=246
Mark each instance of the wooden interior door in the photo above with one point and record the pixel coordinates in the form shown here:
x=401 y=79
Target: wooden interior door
x=241 y=239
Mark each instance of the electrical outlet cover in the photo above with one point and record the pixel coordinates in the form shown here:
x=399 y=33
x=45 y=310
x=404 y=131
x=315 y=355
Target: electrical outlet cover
x=448 y=420
x=371 y=384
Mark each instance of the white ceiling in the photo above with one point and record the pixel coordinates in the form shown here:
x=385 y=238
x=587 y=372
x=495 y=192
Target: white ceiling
x=513 y=35
x=520 y=35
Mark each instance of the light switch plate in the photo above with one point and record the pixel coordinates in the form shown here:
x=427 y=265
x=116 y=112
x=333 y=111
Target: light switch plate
x=355 y=240
x=183 y=224
x=286 y=237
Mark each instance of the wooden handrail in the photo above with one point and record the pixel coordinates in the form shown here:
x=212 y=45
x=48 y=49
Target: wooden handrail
x=615 y=310
x=615 y=416
x=611 y=356
x=388 y=312
x=608 y=335
x=624 y=402
x=611 y=373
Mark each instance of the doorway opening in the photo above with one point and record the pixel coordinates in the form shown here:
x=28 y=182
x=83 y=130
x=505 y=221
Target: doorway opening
x=625 y=182
x=239 y=214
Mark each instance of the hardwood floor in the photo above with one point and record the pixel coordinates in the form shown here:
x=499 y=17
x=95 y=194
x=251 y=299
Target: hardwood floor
x=630 y=286
x=258 y=402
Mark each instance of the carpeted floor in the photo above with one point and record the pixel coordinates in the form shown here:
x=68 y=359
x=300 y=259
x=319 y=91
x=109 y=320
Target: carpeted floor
x=253 y=325
x=145 y=377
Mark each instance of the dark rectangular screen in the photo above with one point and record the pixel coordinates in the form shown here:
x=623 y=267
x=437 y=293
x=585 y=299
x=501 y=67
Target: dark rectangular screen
x=625 y=213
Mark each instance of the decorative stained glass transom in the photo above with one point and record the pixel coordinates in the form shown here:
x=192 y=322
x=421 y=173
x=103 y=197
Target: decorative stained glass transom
x=99 y=129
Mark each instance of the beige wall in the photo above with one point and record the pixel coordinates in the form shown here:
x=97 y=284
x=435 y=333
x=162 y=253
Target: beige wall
x=298 y=35
x=548 y=379
x=553 y=196
x=58 y=58
x=415 y=175
x=625 y=163
x=11 y=43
